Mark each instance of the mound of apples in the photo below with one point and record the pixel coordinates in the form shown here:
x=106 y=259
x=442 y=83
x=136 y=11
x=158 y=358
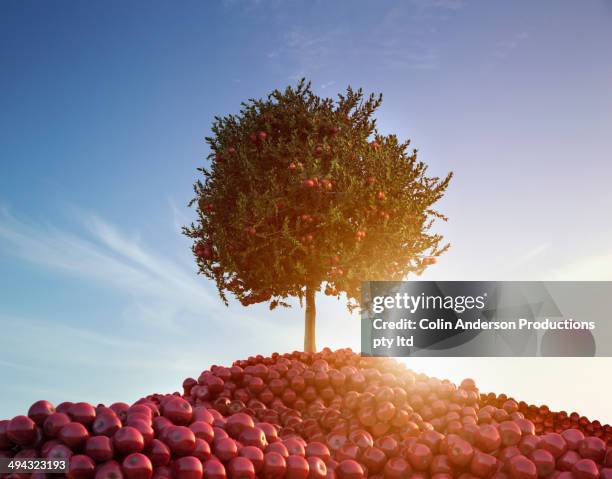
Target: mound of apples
x=313 y=416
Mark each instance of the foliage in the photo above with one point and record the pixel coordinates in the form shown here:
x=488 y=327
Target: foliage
x=303 y=191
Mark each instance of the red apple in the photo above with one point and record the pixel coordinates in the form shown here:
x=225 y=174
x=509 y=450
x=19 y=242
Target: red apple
x=592 y=447
x=59 y=452
x=526 y=426
x=374 y=459
x=201 y=450
x=274 y=466
x=385 y=411
x=347 y=451
x=316 y=468
x=253 y=436
x=279 y=448
x=202 y=430
x=140 y=409
x=269 y=430
x=317 y=449
x=21 y=430
x=47 y=445
x=483 y=465
x=253 y=454
x=529 y=443
x=238 y=422
x=544 y=462
x=83 y=413
x=522 y=468
x=74 y=435
x=109 y=470
x=420 y=456
x=585 y=469
x=159 y=453
x=119 y=408
x=397 y=468
x=432 y=439
x=181 y=440
x=189 y=467
x=99 y=448
x=349 y=469
x=213 y=469
x=573 y=437
x=39 y=411
x=488 y=438
x=201 y=413
x=81 y=467
x=219 y=433
x=510 y=433
x=145 y=429
x=178 y=410
x=240 y=468
x=567 y=460
x=137 y=466
x=106 y=424
x=160 y=424
x=553 y=443
x=5 y=442
x=225 y=449
x=128 y=440
x=297 y=467
x=295 y=446
x=459 y=451
x=63 y=407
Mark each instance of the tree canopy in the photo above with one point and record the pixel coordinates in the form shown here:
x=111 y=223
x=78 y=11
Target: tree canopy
x=304 y=192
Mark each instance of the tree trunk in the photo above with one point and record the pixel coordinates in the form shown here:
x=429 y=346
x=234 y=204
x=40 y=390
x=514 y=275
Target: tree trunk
x=310 y=345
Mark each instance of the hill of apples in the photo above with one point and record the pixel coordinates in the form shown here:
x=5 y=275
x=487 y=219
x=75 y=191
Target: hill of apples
x=313 y=416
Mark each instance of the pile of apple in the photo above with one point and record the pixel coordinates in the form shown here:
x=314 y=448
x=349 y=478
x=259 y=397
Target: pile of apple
x=546 y=420
x=313 y=416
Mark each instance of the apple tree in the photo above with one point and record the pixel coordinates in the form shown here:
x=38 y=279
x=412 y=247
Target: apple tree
x=304 y=194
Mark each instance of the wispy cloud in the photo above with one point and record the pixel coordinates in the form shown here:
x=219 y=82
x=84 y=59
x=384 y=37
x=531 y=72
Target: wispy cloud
x=102 y=253
x=402 y=38
x=440 y=4
x=424 y=59
x=531 y=254
x=405 y=36
x=310 y=49
x=503 y=48
x=164 y=321
x=158 y=289
x=17 y=366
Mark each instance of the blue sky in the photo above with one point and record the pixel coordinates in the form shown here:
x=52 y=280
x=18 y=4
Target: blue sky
x=103 y=110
